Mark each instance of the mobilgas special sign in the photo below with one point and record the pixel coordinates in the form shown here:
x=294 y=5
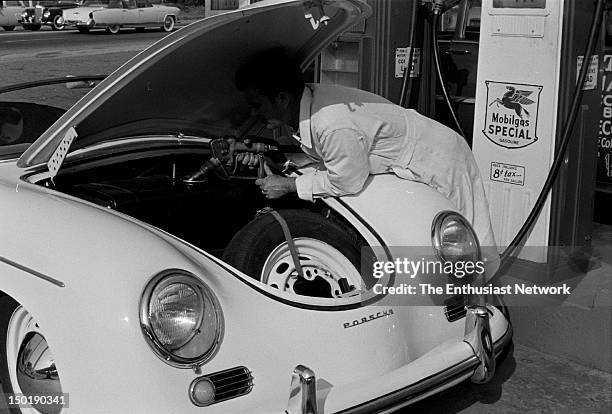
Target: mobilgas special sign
x=511 y=115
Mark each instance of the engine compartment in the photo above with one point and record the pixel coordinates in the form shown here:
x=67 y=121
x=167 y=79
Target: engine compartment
x=197 y=192
x=153 y=188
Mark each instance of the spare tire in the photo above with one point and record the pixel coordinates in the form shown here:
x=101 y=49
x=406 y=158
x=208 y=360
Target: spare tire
x=329 y=253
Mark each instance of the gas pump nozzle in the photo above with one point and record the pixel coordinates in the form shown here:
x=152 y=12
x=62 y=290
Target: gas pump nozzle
x=222 y=155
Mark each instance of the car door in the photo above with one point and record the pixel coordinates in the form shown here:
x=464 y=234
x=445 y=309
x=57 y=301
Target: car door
x=113 y=13
x=146 y=12
x=130 y=13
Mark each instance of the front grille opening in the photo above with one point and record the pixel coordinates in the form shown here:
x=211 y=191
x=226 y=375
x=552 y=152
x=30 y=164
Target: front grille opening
x=454 y=307
x=231 y=383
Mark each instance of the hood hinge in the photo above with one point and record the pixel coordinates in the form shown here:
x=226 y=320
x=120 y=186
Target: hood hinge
x=56 y=160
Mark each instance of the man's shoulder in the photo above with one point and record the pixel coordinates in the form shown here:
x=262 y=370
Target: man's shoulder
x=341 y=93
x=336 y=106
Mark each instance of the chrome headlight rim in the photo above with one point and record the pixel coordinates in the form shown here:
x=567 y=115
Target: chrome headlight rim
x=436 y=233
x=169 y=277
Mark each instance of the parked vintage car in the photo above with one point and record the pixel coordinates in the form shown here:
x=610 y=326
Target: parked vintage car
x=46 y=12
x=141 y=273
x=113 y=15
x=10 y=12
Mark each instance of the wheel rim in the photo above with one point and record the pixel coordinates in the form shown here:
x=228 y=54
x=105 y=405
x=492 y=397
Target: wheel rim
x=114 y=29
x=168 y=24
x=56 y=23
x=21 y=327
x=324 y=268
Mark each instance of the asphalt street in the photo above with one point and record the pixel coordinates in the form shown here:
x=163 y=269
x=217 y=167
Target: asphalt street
x=30 y=56
x=24 y=46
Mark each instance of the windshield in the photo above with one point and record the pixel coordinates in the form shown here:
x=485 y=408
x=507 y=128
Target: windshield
x=52 y=3
x=23 y=118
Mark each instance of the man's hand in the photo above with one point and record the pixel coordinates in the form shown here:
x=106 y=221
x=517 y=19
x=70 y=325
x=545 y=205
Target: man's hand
x=275 y=186
x=247 y=159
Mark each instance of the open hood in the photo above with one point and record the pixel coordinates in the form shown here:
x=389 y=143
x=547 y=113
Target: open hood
x=183 y=84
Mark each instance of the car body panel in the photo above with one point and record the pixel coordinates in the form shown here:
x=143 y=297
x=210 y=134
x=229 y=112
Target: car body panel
x=151 y=14
x=79 y=15
x=10 y=12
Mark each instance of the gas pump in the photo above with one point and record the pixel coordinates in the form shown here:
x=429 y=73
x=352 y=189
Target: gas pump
x=541 y=78
x=521 y=106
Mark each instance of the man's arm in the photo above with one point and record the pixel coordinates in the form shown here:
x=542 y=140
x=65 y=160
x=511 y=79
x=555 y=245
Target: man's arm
x=345 y=156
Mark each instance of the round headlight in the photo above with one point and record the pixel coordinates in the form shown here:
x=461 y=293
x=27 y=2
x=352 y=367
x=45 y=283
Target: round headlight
x=454 y=239
x=180 y=318
x=47 y=13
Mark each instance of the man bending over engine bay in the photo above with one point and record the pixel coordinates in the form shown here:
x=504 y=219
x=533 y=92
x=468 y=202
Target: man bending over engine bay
x=353 y=134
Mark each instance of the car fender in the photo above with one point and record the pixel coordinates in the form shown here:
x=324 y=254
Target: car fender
x=399 y=210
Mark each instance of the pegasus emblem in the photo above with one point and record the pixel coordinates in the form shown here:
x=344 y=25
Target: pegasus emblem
x=515 y=100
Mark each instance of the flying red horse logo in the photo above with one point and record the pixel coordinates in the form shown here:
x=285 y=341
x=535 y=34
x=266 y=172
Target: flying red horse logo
x=515 y=100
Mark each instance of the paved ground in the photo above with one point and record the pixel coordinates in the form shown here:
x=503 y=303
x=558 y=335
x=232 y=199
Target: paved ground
x=531 y=382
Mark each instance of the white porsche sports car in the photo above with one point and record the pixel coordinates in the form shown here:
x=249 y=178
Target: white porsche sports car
x=142 y=271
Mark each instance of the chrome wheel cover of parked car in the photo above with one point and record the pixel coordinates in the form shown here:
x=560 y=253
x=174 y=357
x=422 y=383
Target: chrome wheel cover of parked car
x=57 y=23
x=113 y=29
x=168 y=24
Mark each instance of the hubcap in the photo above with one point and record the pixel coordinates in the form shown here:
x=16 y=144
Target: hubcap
x=327 y=272
x=30 y=363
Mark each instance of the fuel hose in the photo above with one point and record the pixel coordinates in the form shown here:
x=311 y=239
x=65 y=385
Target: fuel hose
x=567 y=129
x=407 y=81
x=436 y=52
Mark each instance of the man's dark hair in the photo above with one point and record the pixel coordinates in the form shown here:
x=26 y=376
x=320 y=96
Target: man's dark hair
x=271 y=72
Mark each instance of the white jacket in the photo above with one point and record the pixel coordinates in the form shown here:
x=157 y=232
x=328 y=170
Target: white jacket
x=356 y=133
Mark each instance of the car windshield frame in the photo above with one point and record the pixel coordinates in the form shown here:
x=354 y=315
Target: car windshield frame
x=94 y=3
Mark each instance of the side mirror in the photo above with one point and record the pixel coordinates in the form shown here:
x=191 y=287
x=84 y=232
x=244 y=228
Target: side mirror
x=80 y=84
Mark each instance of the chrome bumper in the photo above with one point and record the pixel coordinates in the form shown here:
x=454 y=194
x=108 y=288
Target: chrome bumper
x=479 y=367
x=89 y=23
x=478 y=336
